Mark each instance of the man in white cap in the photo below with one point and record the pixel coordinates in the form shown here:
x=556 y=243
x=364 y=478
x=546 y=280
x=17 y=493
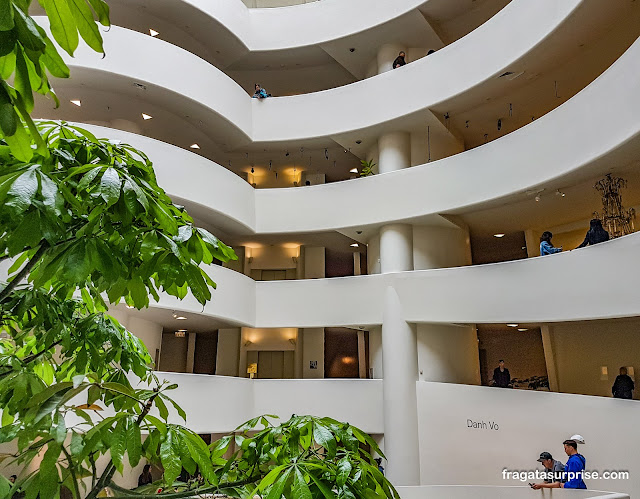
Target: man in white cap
x=573 y=470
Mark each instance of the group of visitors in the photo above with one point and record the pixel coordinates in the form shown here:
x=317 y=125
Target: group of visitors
x=622 y=387
x=596 y=234
x=569 y=476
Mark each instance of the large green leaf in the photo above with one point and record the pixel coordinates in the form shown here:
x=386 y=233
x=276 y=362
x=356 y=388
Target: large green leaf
x=6 y=15
x=63 y=24
x=86 y=25
x=170 y=460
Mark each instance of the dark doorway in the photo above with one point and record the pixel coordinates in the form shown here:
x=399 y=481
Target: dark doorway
x=341 y=359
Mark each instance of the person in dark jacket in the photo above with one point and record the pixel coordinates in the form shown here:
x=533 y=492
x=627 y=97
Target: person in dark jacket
x=501 y=376
x=260 y=92
x=623 y=386
x=596 y=234
x=399 y=60
x=145 y=478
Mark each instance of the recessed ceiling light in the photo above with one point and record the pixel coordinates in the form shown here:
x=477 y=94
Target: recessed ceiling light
x=194 y=146
x=353 y=170
x=181 y=318
x=498 y=235
x=153 y=32
x=512 y=325
x=77 y=102
x=146 y=116
x=522 y=329
x=354 y=245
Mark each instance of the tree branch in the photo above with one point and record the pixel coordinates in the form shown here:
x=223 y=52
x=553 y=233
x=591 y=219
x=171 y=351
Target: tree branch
x=24 y=272
x=110 y=469
x=73 y=473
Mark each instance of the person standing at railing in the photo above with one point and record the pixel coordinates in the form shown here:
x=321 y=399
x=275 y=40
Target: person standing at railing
x=501 y=376
x=399 y=61
x=551 y=466
x=623 y=386
x=596 y=234
x=546 y=246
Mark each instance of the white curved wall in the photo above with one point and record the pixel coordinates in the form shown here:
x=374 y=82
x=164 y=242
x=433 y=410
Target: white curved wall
x=574 y=139
x=207 y=400
x=573 y=290
x=455 y=69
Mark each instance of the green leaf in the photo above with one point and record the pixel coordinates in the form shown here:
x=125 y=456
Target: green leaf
x=102 y=10
x=27 y=30
x=118 y=443
x=8 y=116
x=134 y=444
x=325 y=438
x=7 y=39
x=300 y=488
x=20 y=144
x=63 y=24
x=170 y=460
x=344 y=470
x=53 y=62
x=86 y=25
x=6 y=15
x=22 y=80
x=276 y=491
x=110 y=186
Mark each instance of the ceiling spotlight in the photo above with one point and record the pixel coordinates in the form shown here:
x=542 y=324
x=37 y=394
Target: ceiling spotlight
x=77 y=102
x=560 y=193
x=181 y=318
x=181 y=333
x=498 y=235
x=153 y=32
x=499 y=124
x=252 y=170
x=512 y=325
x=194 y=146
x=354 y=245
x=358 y=142
x=353 y=170
x=522 y=329
x=286 y=153
x=537 y=198
x=146 y=116
x=352 y=49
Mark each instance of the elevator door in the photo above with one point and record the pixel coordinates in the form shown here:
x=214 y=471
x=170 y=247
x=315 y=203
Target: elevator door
x=275 y=365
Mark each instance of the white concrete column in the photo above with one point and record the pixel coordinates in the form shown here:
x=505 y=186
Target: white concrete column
x=394 y=151
x=228 y=354
x=400 y=364
x=387 y=54
x=550 y=358
x=396 y=248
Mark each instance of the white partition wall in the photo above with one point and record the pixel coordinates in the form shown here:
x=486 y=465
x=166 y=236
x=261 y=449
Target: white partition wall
x=469 y=434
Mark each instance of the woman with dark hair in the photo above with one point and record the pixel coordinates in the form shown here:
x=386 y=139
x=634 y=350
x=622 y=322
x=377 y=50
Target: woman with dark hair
x=145 y=477
x=260 y=92
x=546 y=246
x=596 y=234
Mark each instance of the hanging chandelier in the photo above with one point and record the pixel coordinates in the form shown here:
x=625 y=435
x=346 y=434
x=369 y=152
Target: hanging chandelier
x=615 y=219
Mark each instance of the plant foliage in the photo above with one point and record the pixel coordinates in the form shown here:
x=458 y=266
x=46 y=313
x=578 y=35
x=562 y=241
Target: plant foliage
x=29 y=55
x=367 y=168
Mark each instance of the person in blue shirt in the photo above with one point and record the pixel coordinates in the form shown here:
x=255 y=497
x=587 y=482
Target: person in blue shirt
x=575 y=465
x=546 y=246
x=260 y=92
